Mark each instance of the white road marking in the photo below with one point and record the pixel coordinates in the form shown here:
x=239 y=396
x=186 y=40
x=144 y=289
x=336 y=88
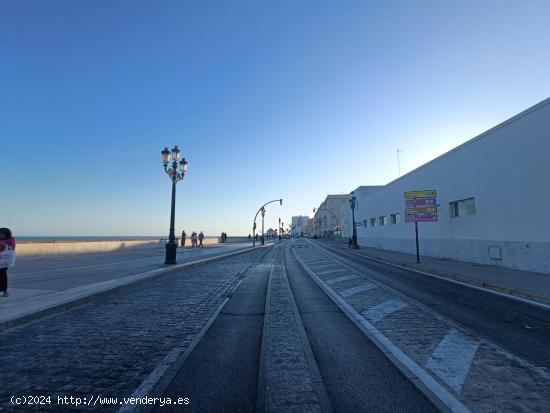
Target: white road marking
x=342 y=278
x=404 y=362
x=452 y=358
x=352 y=291
x=329 y=270
x=380 y=311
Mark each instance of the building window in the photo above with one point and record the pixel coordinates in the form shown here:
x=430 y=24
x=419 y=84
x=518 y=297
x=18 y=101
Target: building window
x=373 y=222
x=463 y=207
x=395 y=218
x=383 y=220
x=365 y=223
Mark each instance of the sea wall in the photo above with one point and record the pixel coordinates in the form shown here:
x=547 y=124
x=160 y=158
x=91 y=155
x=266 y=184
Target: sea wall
x=78 y=246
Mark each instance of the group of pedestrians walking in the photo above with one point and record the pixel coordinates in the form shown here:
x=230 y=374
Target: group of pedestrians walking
x=224 y=237
x=196 y=239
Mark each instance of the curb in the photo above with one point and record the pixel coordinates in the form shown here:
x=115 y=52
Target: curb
x=483 y=284
x=521 y=295
x=109 y=287
x=437 y=394
x=317 y=381
x=152 y=388
x=262 y=371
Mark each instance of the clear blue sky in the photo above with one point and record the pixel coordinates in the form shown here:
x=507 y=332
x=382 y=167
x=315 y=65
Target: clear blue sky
x=267 y=99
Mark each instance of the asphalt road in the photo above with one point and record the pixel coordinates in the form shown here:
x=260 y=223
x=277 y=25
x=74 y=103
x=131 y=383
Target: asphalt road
x=222 y=372
x=519 y=327
x=116 y=344
x=357 y=376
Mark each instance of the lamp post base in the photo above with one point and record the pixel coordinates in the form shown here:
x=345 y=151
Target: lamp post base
x=171 y=251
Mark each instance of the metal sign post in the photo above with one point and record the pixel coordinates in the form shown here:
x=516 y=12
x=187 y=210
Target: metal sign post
x=420 y=206
x=417 y=246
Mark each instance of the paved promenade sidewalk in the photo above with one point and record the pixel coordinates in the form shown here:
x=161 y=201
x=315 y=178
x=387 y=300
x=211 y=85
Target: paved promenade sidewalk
x=526 y=284
x=48 y=285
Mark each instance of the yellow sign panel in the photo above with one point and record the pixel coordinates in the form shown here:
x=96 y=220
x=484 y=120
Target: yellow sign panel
x=429 y=193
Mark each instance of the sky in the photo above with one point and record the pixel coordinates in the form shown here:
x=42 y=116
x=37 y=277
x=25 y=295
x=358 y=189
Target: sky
x=267 y=100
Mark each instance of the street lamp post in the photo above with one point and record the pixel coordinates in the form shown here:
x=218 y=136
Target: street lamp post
x=352 y=203
x=175 y=176
x=263 y=215
x=280 y=201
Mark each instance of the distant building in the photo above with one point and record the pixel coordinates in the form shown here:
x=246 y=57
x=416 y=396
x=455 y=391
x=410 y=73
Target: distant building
x=492 y=199
x=330 y=217
x=271 y=233
x=299 y=226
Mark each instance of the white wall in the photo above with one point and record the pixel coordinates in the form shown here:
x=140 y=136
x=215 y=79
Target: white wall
x=300 y=225
x=506 y=170
x=330 y=213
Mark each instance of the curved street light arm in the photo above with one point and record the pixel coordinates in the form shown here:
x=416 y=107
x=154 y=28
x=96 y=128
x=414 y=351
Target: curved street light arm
x=256 y=216
x=333 y=214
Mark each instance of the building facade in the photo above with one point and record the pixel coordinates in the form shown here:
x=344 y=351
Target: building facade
x=299 y=226
x=330 y=215
x=492 y=199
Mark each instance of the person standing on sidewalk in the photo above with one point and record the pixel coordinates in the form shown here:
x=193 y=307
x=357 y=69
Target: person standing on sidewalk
x=183 y=235
x=193 y=239
x=7 y=241
x=201 y=237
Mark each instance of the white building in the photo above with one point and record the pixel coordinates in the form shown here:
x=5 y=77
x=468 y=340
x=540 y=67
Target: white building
x=299 y=225
x=493 y=199
x=271 y=233
x=330 y=217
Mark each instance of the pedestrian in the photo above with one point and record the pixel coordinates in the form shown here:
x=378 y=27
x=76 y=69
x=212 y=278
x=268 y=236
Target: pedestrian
x=350 y=241
x=249 y=237
x=7 y=243
x=183 y=235
x=201 y=237
x=193 y=239
x=225 y=237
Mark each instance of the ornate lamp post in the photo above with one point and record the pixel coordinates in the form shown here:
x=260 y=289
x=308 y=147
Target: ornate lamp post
x=352 y=203
x=175 y=176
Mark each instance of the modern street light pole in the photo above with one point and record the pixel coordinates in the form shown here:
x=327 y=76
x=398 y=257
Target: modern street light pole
x=280 y=201
x=175 y=176
x=263 y=215
x=352 y=203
